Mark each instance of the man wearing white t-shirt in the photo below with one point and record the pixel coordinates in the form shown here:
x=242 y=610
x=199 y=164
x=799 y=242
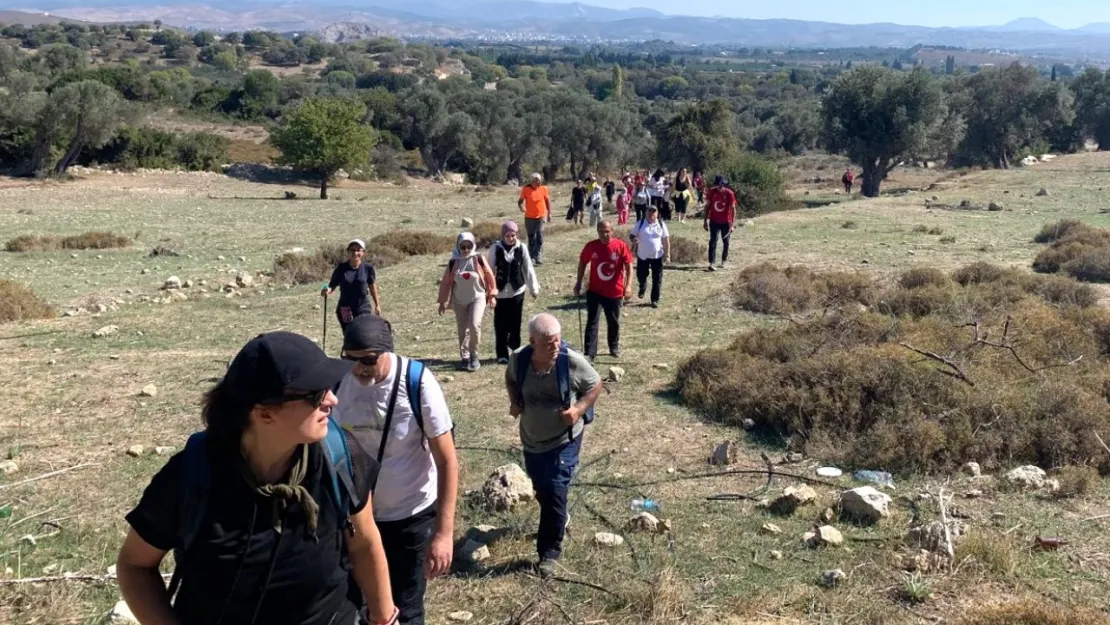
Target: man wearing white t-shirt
x=396 y=410
x=652 y=242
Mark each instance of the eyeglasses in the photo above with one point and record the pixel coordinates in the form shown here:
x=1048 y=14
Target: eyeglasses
x=315 y=398
x=369 y=361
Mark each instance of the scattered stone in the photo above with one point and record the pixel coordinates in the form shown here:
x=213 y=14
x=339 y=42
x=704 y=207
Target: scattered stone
x=930 y=536
x=243 y=280
x=644 y=522
x=994 y=207
x=29 y=540
x=605 y=539
x=8 y=467
x=832 y=578
x=466 y=222
x=973 y=494
x=1043 y=192
x=70 y=313
x=1029 y=477
x=615 y=374
x=188 y=284
x=771 y=528
x=776 y=554
x=177 y=296
x=748 y=223
x=162 y=251
x=144 y=272
x=50 y=569
x=74 y=255
x=747 y=425
x=105 y=331
x=163 y=450
x=447 y=378
x=149 y=390
x=507 y=486
x=135 y=451
x=172 y=282
x=101 y=308
x=824 y=536
x=316 y=307
x=662 y=366
x=726 y=453
x=111 y=569
x=973 y=469
x=486 y=534
x=121 y=615
x=920 y=562
x=792 y=458
x=461 y=616
x=865 y=504
x=474 y=551
x=791 y=498
x=220 y=258
x=242 y=259
x=828 y=515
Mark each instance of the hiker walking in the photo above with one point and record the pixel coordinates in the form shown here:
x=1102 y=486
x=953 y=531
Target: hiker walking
x=699 y=187
x=394 y=407
x=268 y=510
x=552 y=390
x=641 y=199
x=577 y=203
x=623 y=200
x=357 y=283
x=720 y=219
x=610 y=191
x=468 y=287
x=657 y=188
x=848 y=179
x=593 y=200
x=610 y=263
x=682 y=193
x=535 y=203
x=515 y=274
x=652 y=243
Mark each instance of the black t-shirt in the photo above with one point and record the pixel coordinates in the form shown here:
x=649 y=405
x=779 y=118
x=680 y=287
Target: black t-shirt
x=230 y=557
x=354 y=286
x=578 y=197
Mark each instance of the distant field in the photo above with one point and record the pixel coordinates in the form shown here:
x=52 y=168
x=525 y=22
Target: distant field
x=73 y=398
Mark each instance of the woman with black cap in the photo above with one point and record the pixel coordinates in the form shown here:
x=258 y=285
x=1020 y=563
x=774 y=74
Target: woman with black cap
x=357 y=283
x=267 y=510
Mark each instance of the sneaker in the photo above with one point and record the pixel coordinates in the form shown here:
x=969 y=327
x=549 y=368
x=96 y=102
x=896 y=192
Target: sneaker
x=474 y=364
x=464 y=364
x=546 y=568
x=615 y=353
x=537 y=262
x=655 y=304
x=723 y=265
x=640 y=293
x=502 y=361
x=711 y=268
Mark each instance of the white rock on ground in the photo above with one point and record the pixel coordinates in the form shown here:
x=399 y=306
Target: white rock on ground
x=615 y=374
x=466 y=222
x=244 y=279
x=8 y=467
x=973 y=469
x=474 y=551
x=121 y=615
x=930 y=536
x=865 y=504
x=507 y=486
x=135 y=451
x=644 y=522
x=105 y=331
x=172 y=282
x=824 y=536
x=149 y=390
x=771 y=529
x=791 y=498
x=725 y=453
x=747 y=424
x=1029 y=477
x=832 y=577
x=605 y=539
x=164 y=450
x=461 y=616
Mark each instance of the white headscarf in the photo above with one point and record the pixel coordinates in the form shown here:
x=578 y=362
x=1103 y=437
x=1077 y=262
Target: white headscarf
x=463 y=237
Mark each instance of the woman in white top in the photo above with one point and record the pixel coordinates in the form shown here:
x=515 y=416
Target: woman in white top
x=468 y=286
x=652 y=243
x=657 y=188
x=515 y=274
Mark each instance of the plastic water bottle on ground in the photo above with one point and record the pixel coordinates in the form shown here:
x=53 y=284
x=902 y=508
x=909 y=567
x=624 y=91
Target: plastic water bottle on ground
x=644 y=505
x=878 y=478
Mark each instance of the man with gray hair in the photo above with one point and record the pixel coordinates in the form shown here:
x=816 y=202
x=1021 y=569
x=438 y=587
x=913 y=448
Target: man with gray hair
x=535 y=203
x=552 y=390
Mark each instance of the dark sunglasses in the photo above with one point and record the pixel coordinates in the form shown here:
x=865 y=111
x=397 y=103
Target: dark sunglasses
x=369 y=361
x=315 y=398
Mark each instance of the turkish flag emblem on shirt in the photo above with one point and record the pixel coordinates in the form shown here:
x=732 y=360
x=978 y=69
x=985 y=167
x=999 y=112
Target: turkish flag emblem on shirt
x=466 y=275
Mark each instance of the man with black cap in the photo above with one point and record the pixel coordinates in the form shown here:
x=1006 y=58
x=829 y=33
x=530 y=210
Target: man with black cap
x=396 y=409
x=357 y=284
x=720 y=218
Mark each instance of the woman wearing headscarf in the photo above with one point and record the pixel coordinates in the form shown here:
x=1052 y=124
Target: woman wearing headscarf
x=468 y=286
x=515 y=274
x=267 y=510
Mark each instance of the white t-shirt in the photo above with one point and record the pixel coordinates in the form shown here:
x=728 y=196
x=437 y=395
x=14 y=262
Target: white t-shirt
x=649 y=238
x=407 y=482
x=658 y=188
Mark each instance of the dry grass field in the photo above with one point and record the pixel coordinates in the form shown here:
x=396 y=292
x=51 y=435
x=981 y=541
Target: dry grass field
x=74 y=400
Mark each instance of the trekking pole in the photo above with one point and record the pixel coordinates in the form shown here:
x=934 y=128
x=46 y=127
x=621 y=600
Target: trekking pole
x=324 y=341
x=581 y=334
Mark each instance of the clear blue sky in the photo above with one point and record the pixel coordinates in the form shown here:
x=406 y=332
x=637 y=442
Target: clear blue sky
x=1063 y=13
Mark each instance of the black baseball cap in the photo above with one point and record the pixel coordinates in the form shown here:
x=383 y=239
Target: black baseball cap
x=368 y=333
x=276 y=362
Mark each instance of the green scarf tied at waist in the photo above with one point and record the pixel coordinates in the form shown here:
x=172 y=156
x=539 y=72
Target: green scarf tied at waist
x=292 y=491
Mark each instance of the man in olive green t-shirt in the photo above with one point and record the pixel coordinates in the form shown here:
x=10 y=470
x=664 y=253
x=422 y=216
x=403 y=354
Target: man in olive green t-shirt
x=550 y=432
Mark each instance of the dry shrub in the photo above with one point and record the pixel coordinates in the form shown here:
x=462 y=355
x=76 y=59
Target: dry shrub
x=84 y=241
x=486 y=233
x=923 y=276
x=766 y=288
x=1077 y=249
x=415 y=242
x=981 y=273
x=1051 y=233
x=382 y=256
x=996 y=554
x=17 y=302
x=920 y=228
x=947 y=240
x=687 y=251
x=1092 y=265
x=553 y=229
x=1075 y=481
x=665 y=599
x=1032 y=612
x=936 y=230
x=849 y=225
x=845 y=386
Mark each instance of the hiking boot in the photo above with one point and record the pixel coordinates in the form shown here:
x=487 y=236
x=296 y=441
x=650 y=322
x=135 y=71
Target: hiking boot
x=546 y=568
x=537 y=262
x=655 y=304
x=464 y=364
x=723 y=265
x=615 y=353
x=502 y=361
x=640 y=293
x=474 y=364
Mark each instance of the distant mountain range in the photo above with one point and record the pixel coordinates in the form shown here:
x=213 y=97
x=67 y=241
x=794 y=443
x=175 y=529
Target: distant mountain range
x=529 y=19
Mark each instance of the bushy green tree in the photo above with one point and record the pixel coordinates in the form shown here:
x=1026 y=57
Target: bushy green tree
x=700 y=135
x=80 y=115
x=324 y=135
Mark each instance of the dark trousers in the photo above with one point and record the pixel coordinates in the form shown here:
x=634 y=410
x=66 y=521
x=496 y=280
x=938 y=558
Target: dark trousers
x=534 y=228
x=641 y=212
x=655 y=267
x=612 y=307
x=507 y=318
x=406 y=543
x=551 y=472
x=714 y=231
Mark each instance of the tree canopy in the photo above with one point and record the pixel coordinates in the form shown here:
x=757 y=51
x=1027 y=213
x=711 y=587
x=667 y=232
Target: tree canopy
x=323 y=136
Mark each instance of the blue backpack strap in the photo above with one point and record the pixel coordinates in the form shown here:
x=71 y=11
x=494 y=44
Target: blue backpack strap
x=340 y=468
x=195 y=478
x=562 y=373
x=413 y=375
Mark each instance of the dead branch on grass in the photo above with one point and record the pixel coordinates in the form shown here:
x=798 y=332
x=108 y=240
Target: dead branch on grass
x=49 y=475
x=948 y=548
x=66 y=577
x=956 y=371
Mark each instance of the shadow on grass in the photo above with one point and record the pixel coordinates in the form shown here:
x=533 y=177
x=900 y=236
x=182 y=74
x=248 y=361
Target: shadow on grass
x=763 y=437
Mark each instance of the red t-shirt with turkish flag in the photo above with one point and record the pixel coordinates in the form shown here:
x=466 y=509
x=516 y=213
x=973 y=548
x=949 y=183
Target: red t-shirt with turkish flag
x=607 y=263
x=720 y=203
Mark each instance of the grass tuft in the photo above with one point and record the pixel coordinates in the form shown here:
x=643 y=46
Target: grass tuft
x=415 y=242
x=17 y=303
x=1035 y=611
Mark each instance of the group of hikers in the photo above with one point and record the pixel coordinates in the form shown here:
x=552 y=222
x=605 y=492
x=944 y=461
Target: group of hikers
x=634 y=193
x=322 y=491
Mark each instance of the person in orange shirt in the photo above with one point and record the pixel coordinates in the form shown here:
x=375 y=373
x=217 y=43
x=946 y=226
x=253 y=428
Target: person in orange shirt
x=535 y=203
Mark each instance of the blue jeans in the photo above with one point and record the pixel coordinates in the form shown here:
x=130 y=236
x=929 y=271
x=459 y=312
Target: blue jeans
x=551 y=472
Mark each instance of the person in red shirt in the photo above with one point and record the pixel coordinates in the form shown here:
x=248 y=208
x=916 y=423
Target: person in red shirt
x=848 y=179
x=720 y=218
x=610 y=263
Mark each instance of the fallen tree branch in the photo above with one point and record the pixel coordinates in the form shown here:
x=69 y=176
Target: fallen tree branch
x=567 y=580
x=67 y=577
x=1101 y=442
x=703 y=476
x=956 y=371
x=947 y=532
x=49 y=475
